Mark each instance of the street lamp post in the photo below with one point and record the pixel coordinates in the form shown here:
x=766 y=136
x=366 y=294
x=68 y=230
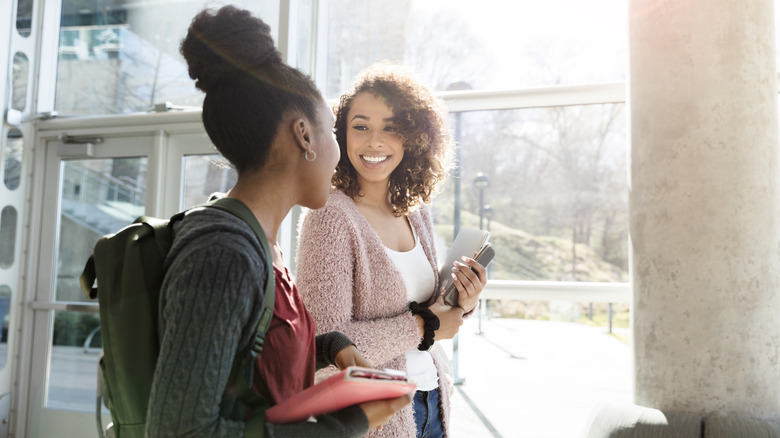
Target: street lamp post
x=457 y=86
x=488 y=212
x=481 y=181
x=456 y=180
x=456 y=177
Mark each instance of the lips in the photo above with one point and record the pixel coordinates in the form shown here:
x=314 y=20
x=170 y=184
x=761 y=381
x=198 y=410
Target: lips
x=375 y=159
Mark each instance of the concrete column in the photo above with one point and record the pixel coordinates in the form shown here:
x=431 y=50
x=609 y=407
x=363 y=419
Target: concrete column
x=704 y=206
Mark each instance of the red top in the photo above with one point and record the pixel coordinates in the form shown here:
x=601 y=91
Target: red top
x=289 y=351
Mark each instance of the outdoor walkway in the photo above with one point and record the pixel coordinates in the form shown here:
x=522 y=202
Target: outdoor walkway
x=536 y=379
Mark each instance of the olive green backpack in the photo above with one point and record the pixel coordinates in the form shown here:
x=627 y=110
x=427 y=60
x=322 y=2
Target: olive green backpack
x=129 y=269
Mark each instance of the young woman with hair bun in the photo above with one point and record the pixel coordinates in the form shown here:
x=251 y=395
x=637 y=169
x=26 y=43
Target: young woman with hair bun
x=270 y=121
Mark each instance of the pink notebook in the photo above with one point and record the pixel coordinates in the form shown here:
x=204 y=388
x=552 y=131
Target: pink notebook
x=351 y=386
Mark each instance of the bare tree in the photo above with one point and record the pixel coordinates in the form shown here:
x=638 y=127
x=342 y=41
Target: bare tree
x=556 y=171
x=370 y=32
x=442 y=49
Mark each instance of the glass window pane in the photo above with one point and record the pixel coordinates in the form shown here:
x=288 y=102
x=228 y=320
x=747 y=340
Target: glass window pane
x=14 y=142
x=19 y=81
x=7 y=236
x=303 y=60
x=118 y=56
x=558 y=191
x=489 y=44
x=98 y=197
x=24 y=17
x=205 y=175
x=74 y=361
x=5 y=306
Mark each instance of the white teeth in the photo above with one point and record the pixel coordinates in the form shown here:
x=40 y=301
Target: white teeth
x=375 y=159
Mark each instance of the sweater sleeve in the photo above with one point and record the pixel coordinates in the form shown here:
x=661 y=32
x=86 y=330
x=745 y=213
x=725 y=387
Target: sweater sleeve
x=349 y=422
x=207 y=304
x=327 y=268
x=328 y=345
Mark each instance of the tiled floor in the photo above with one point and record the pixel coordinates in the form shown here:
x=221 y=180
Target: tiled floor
x=535 y=379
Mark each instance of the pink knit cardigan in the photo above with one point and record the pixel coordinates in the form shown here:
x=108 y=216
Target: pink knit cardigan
x=349 y=284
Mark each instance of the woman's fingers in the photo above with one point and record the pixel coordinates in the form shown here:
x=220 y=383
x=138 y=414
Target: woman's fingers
x=470 y=278
x=381 y=411
x=351 y=356
x=479 y=271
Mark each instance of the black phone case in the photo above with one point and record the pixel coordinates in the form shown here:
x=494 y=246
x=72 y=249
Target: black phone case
x=485 y=256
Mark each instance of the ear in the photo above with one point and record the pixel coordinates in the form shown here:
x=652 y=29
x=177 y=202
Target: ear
x=302 y=131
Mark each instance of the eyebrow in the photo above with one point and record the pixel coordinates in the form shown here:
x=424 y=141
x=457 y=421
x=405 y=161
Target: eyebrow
x=360 y=116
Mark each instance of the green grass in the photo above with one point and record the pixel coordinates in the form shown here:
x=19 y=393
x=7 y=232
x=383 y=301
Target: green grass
x=622 y=337
x=619 y=320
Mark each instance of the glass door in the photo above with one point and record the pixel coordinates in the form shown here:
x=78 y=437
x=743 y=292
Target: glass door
x=90 y=189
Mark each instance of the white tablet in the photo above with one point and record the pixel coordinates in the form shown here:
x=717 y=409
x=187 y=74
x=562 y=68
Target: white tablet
x=467 y=243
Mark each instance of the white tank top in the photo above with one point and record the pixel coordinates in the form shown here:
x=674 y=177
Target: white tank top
x=420 y=281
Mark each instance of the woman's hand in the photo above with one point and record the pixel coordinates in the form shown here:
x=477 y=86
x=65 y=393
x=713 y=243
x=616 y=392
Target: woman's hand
x=381 y=411
x=351 y=356
x=470 y=279
x=450 y=319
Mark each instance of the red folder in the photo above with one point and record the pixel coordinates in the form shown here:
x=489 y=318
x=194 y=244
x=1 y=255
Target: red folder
x=351 y=386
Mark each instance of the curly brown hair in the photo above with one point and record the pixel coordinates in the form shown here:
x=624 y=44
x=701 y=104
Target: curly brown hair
x=420 y=120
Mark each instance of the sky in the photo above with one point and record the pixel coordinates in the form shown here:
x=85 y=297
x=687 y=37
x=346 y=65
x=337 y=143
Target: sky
x=584 y=41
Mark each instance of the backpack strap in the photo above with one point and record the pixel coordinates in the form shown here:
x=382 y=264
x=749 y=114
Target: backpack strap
x=87 y=279
x=243 y=212
x=242 y=380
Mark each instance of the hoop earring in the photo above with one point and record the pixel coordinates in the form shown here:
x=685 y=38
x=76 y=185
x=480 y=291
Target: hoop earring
x=310 y=158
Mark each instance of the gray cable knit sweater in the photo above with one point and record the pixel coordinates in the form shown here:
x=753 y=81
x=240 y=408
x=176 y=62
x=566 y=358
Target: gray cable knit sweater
x=210 y=305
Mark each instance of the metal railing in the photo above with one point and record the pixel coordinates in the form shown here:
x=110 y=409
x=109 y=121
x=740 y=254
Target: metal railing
x=91 y=187
x=598 y=292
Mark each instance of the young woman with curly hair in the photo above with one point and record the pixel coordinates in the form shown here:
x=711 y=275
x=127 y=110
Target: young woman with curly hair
x=367 y=265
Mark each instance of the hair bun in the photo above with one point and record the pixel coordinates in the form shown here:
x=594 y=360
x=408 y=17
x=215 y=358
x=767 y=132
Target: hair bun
x=227 y=43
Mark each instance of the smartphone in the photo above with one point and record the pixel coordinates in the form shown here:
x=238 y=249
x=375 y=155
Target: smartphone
x=483 y=257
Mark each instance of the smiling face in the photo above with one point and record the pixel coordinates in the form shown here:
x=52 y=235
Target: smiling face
x=374 y=146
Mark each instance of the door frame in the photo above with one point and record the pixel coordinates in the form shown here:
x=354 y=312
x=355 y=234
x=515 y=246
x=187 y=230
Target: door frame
x=128 y=136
